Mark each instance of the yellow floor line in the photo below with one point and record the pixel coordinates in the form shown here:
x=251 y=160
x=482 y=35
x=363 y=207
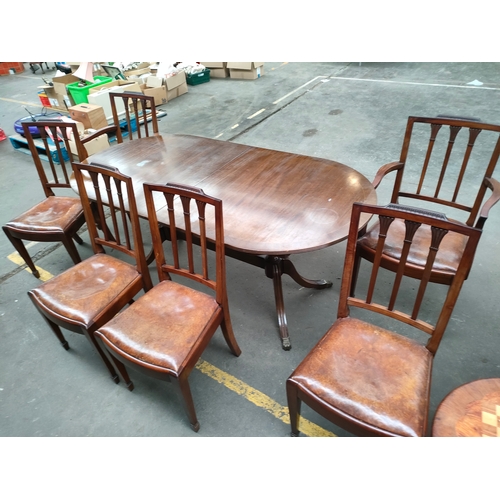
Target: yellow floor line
x=20 y=102
x=260 y=399
x=249 y=393
x=17 y=259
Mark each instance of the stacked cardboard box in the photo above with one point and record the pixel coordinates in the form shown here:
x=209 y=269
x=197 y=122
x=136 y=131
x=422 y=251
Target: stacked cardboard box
x=176 y=85
x=246 y=70
x=92 y=147
x=100 y=96
x=89 y=115
x=217 y=69
x=57 y=94
x=156 y=88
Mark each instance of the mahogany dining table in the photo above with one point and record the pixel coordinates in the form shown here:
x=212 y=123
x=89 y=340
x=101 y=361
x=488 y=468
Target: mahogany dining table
x=275 y=203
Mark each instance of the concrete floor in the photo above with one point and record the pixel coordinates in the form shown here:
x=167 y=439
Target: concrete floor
x=354 y=114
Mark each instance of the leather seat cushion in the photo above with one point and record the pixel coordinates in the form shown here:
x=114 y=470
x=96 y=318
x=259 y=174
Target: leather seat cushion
x=447 y=257
x=82 y=292
x=55 y=213
x=163 y=326
x=372 y=374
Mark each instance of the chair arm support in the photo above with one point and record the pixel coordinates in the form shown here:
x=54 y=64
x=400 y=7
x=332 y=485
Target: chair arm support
x=494 y=185
x=105 y=130
x=384 y=170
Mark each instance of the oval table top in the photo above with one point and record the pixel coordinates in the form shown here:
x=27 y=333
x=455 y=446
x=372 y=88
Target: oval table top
x=275 y=203
x=471 y=410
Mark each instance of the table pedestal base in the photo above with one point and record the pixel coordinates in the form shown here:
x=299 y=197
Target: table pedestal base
x=275 y=266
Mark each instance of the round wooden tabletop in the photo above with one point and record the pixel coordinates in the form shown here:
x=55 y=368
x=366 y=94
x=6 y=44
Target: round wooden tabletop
x=471 y=410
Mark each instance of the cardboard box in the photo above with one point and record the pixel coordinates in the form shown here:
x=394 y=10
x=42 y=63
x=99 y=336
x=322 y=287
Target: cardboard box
x=60 y=83
x=244 y=74
x=159 y=94
x=213 y=65
x=219 y=73
x=139 y=78
x=115 y=83
x=182 y=89
x=101 y=98
x=56 y=101
x=92 y=147
x=177 y=91
x=154 y=81
x=244 y=65
x=91 y=115
x=139 y=71
x=176 y=80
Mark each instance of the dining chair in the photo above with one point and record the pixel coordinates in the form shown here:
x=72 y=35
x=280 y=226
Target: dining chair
x=57 y=218
x=453 y=160
x=86 y=296
x=139 y=111
x=370 y=374
x=164 y=332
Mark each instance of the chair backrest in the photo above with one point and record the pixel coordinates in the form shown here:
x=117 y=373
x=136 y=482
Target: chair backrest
x=111 y=212
x=139 y=112
x=193 y=216
x=49 y=140
x=451 y=158
x=413 y=219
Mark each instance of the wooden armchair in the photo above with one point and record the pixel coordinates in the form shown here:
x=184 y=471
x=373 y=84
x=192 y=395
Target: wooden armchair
x=362 y=376
x=164 y=333
x=57 y=218
x=139 y=110
x=86 y=296
x=454 y=174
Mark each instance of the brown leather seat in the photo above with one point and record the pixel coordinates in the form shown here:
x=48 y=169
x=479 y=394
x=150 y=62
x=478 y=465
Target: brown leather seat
x=447 y=260
x=82 y=293
x=364 y=377
x=84 y=297
x=164 y=332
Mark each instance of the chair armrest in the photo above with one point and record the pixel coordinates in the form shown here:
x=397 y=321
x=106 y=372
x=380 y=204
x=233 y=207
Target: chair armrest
x=384 y=170
x=105 y=130
x=494 y=185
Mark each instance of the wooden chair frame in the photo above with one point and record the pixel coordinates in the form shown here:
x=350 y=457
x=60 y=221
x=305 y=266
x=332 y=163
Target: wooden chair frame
x=478 y=212
x=442 y=172
x=101 y=188
x=32 y=225
x=143 y=108
x=144 y=351
x=298 y=390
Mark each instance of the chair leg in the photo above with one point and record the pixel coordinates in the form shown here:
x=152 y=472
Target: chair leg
x=77 y=238
x=294 y=404
x=21 y=250
x=117 y=364
x=227 y=331
x=57 y=331
x=110 y=366
x=71 y=249
x=188 y=404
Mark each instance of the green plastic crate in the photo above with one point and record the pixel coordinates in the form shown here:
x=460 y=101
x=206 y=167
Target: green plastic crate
x=197 y=78
x=80 y=94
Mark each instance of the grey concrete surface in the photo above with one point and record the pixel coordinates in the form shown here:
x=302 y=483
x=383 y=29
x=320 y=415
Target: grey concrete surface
x=354 y=114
